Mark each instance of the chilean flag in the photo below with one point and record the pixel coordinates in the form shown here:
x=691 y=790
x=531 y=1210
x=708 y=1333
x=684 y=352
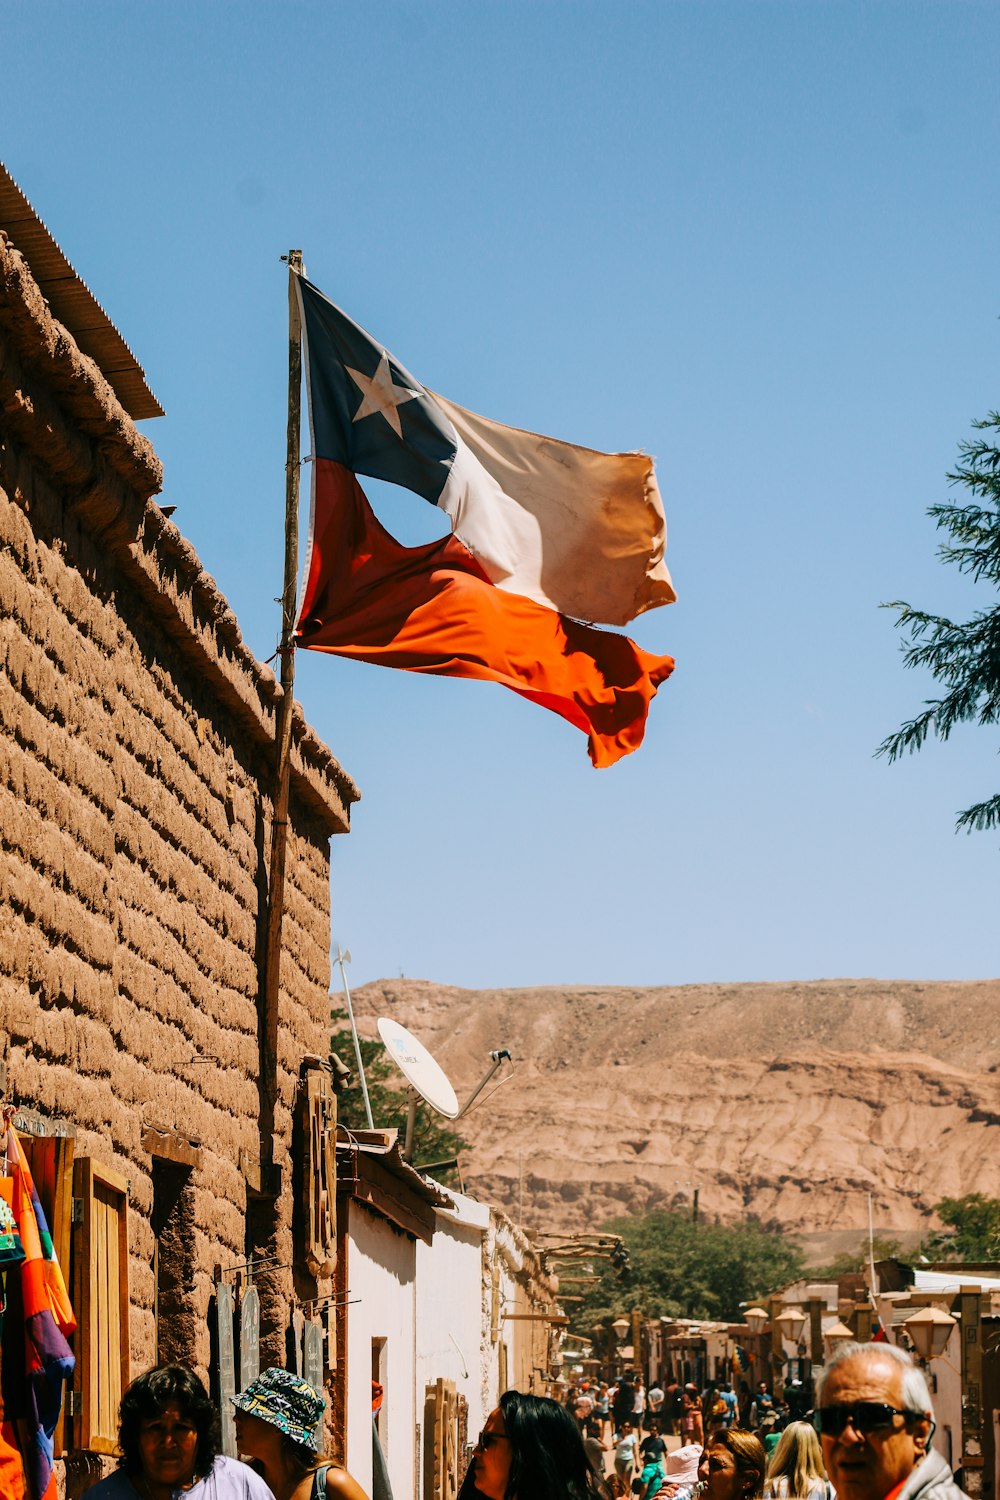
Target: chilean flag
x=545 y=536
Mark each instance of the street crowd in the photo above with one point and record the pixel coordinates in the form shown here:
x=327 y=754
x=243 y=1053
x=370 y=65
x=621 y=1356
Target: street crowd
x=633 y=1421
x=865 y=1434
x=867 y=1437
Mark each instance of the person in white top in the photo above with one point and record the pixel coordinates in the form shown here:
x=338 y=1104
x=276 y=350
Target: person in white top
x=639 y=1402
x=626 y=1454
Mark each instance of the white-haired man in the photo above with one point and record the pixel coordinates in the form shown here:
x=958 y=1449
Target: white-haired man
x=875 y=1419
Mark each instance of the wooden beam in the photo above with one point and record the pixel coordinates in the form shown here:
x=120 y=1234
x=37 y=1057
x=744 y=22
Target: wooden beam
x=167 y=1145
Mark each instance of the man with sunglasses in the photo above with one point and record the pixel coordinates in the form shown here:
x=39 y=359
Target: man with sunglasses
x=875 y=1420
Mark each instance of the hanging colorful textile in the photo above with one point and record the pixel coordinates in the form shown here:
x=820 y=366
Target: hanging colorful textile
x=35 y=1359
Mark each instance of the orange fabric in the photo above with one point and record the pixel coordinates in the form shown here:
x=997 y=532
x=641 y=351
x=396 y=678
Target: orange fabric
x=11 y=1467
x=432 y=609
x=42 y=1282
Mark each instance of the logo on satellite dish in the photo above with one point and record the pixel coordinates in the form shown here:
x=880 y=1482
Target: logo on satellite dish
x=419 y=1068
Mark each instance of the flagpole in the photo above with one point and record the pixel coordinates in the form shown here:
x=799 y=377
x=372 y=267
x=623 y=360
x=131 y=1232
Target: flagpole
x=283 y=729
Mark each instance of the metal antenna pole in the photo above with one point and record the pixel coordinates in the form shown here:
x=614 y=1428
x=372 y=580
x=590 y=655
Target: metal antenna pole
x=342 y=959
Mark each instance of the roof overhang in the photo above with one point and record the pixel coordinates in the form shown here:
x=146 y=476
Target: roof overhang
x=73 y=303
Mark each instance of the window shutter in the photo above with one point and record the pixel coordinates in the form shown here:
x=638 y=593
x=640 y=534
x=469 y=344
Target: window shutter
x=101 y=1302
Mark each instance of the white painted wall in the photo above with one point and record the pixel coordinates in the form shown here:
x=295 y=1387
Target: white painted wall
x=450 y=1323
x=381 y=1275
x=948 y=1398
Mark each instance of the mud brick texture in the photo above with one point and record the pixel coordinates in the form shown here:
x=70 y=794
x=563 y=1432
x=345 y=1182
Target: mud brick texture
x=136 y=757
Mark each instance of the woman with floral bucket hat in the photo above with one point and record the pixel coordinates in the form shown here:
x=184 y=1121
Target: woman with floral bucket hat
x=278 y=1427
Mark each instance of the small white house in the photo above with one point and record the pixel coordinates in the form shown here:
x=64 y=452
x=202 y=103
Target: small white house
x=443 y=1303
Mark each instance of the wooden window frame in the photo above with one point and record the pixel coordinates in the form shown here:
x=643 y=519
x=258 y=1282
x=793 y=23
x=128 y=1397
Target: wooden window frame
x=90 y=1252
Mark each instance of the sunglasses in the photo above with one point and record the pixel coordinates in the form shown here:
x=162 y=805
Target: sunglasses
x=487 y=1439
x=864 y=1417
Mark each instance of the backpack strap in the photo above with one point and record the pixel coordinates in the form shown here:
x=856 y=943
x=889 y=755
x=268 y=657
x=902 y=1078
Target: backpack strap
x=319 y=1483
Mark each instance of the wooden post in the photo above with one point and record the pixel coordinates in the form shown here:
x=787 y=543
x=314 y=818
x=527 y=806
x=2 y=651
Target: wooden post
x=283 y=740
x=777 y=1347
x=970 y=1314
x=816 y=1330
x=863 y=1322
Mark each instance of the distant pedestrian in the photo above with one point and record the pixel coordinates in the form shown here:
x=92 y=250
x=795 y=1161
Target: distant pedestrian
x=763 y=1402
x=583 y=1405
x=692 y=1421
x=622 y=1404
x=602 y=1408
x=595 y=1446
x=638 y=1403
x=652 y=1448
x=626 y=1456
x=769 y=1433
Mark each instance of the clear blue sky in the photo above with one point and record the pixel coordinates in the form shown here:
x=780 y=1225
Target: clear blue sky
x=758 y=240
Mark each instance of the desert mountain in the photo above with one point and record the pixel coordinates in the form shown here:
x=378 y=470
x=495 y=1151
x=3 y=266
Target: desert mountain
x=790 y=1102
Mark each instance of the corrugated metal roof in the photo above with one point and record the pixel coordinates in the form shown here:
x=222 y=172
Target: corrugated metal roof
x=73 y=303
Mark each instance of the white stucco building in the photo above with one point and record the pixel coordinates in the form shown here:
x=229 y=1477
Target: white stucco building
x=432 y=1286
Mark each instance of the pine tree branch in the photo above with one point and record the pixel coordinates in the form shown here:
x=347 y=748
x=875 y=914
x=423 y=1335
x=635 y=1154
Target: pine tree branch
x=981 y=816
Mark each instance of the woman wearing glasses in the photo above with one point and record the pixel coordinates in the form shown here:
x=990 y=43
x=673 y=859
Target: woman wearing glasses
x=732 y=1466
x=531 y=1449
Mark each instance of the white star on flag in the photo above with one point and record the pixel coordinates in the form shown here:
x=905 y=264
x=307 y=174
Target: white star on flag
x=380 y=394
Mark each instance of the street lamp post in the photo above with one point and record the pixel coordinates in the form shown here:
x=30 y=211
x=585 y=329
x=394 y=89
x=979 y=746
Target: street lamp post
x=755 y=1318
x=793 y=1324
x=838 y=1333
x=619 y=1328
x=930 y=1330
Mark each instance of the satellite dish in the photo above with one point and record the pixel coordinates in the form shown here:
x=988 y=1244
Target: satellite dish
x=418 y=1067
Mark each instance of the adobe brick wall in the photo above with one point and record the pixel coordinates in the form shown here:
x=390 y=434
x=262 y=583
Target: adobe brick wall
x=135 y=753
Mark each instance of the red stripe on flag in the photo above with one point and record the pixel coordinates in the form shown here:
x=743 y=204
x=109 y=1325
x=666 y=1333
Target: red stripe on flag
x=433 y=609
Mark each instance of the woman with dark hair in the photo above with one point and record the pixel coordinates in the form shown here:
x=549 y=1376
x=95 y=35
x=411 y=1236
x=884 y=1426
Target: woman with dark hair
x=168 y=1437
x=732 y=1466
x=277 y=1425
x=531 y=1449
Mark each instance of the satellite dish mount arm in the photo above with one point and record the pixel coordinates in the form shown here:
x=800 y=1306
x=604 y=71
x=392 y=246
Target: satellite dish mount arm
x=411 y=1120
x=498 y=1059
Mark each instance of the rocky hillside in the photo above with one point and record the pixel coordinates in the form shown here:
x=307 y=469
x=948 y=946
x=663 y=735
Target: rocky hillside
x=791 y=1102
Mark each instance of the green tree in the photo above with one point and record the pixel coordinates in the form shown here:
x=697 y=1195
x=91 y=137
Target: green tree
x=975 y=1224
x=965 y=658
x=680 y=1268
x=432 y=1141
